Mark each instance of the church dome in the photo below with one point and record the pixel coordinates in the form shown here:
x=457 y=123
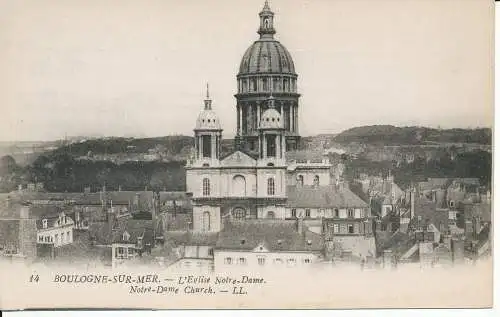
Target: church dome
x=267 y=56
x=208 y=119
x=271 y=118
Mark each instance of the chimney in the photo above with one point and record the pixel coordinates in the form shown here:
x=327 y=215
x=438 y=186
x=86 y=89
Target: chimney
x=412 y=203
x=119 y=188
x=8 y=202
x=111 y=220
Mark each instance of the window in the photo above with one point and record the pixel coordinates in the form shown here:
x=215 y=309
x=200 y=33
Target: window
x=239 y=186
x=308 y=213
x=44 y=223
x=239 y=213
x=278 y=261
x=57 y=238
x=261 y=261
x=210 y=252
x=316 y=180
x=336 y=228
x=384 y=227
x=322 y=212
x=270 y=214
x=271 y=145
x=270 y=186
x=350 y=228
x=291 y=262
x=294 y=213
x=336 y=212
x=206 y=187
x=300 y=180
x=67 y=236
x=350 y=213
x=40 y=239
x=206 y=145
x=228 y=261
x=307 y=261
x=242 y=261
x=206 y=221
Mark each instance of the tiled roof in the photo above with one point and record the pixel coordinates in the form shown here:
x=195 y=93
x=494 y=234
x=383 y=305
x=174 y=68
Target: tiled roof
x=275 y=235
x=192 y=238
x=305 y=156
x=323 y=197
x=434 y=183
x=135 y=228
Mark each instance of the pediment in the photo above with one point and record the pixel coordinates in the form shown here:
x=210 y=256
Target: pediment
x=238 y=159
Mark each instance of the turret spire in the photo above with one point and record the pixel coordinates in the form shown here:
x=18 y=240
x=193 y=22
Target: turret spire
x=266 y=29
x=208 y=101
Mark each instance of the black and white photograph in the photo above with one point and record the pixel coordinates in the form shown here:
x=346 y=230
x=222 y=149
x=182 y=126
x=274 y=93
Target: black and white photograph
x=166 y=154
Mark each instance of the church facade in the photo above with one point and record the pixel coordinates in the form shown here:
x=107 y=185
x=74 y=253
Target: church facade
x=266 y=182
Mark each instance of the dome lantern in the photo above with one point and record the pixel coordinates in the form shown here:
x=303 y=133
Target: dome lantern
x=266 y=28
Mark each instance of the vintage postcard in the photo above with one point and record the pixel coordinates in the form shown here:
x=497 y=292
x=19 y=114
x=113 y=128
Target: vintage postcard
x=165 y=154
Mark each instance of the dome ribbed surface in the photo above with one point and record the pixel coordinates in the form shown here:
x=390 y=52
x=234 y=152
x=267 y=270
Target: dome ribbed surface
x=267 y=56
x=208 y=120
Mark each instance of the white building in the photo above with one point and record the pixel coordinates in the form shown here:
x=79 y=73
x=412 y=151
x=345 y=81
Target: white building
x=56 y=231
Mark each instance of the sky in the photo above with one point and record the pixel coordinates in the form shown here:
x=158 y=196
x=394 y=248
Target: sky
x=139 y=68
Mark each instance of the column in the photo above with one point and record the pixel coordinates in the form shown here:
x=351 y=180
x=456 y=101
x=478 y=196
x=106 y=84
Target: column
x=264 y=146
x=258 y=114
x=238 y=126
x=296 y=117
x=282 y=114
x=283 y=145
x=241 y=118
x=196 y=147
x=277 y=142
x=200 y=146
x=213 y=146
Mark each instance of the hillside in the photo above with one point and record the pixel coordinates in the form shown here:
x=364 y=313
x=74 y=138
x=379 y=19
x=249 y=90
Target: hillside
x=391 y=135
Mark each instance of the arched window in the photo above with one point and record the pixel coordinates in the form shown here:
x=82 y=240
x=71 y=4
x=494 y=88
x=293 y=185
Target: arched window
x=206 y=187
x=239 y=186
x=316 y=180
x=206 y=221
x=239 y=213
x=270 y=214
x=300 y=180
x=270 y=186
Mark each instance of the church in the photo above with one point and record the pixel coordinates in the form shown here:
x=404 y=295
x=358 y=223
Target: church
x=267 y=180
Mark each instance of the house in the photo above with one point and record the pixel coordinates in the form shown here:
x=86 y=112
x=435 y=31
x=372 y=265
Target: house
x=194 y=250
x=259 y=244
x=55 y=229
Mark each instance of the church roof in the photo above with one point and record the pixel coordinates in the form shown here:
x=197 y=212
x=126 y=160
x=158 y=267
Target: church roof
x=266 y=55
x=323 y=197
x=275 y=236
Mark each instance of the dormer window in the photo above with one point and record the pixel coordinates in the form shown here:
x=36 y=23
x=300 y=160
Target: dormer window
x=243 y=241
x=126 y=236
x=280 y=242
x=44 y=223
